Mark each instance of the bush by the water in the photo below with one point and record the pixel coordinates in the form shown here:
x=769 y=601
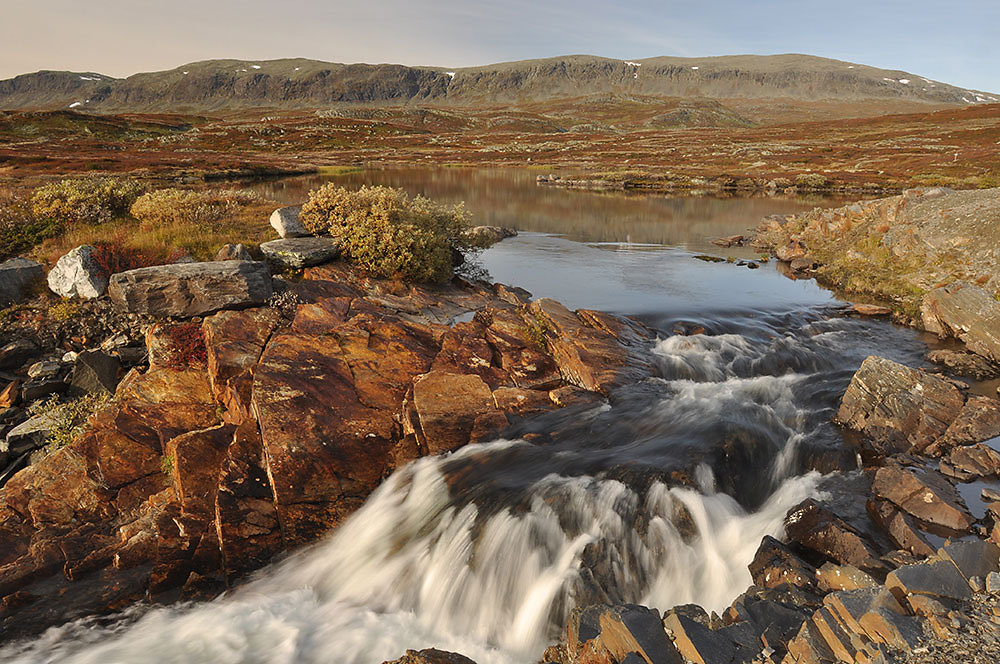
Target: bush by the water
x=85 y=200
x=389 y=234
x=167 y=207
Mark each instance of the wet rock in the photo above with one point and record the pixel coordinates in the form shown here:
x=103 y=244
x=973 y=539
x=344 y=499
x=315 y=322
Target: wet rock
x=978 y=420
x=832 y=577
x=972 y=558
x=924 y=494
x=614 y=633
x=971 y=462
x=794 y=249
x=16 y=277
x=233 y=252
x=191 y=289
x=695 y=641
x=870 y=310
x=78 y=274
x=901 y=528
x=967 y=312
x=937 y=579
x=300 y=252
x=95 y=372
x=16 y=353
x=522 y=402
x=818 y=529
x=898 y=408
x=485 y=236
x=453 y=410
x=965 y=364
x=774 y=564
x=431 y=656
x=730 y=241
x=286 y=222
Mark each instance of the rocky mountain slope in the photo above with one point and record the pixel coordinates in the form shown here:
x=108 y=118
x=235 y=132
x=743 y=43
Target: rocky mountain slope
x=300 y=83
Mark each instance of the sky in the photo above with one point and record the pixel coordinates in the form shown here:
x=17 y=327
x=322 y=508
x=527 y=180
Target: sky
x=954 y=42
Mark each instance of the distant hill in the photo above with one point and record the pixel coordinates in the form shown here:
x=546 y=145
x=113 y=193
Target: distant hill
x=297 y=84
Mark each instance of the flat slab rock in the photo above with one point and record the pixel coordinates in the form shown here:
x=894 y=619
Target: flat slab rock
x=191 y=289
x=925 y=494
x=299 y=252
x=967 y=312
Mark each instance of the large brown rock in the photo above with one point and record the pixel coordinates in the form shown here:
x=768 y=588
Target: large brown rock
x=924 y=494
x=602 y=633
x=820 y=530
x=967 y=312
x=774 y=564
x=898 y=408
x=899 y=526
x=191 y=289
x=453 y=410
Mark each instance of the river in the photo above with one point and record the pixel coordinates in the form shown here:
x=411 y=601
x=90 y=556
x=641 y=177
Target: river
x=660 y=496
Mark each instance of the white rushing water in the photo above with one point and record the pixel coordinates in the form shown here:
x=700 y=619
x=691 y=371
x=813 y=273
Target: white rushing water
x=416 y=568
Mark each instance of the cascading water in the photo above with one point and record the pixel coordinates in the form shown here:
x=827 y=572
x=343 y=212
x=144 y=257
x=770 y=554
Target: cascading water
x=487 y=550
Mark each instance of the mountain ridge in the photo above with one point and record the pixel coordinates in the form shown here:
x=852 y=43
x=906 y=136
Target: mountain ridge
x=298 y=83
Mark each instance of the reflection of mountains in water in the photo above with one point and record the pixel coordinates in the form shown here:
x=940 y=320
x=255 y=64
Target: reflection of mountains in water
x=509 y=197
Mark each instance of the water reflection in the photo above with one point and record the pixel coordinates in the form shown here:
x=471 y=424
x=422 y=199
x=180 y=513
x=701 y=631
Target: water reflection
x=510 y=197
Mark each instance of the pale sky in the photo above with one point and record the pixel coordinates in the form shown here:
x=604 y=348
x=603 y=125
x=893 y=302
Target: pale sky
x=955 y=42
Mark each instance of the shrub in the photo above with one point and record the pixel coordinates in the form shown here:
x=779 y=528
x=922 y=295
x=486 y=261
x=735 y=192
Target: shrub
x=68 y=419
x=187 y=345
x=811 y=181
x=19 y=229
x=174 y=207
x=387 y=233
x=116 y=256
x=89 y=200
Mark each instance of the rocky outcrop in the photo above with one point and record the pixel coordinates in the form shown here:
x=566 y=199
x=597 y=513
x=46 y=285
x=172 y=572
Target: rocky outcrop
x=191 y=289
x=286 y=222
x=965 y=312
x=924 y=494
x=258 y=429
x=16 y=275
x=299 y=252
x=78 y=274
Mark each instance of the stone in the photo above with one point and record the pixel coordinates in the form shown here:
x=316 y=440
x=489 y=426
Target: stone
x=484 y=236
x=965 y=364
x=774 y=564
x=978 y=420
x=993 y=583
x=937 y=579
x=870 y=309
x=973 y=558
x=77 y=274
x=522 y=402
x=196 y=459
x=901 y=528
x=816 y=528
x=897 y=408
x=233 y=252
x=16 y=353
x=967 y=312
x=33 y=432
x=44 y=369
x=729 y=241
x=431 y=656
x=11 y=395
x=924 y=494
x=453 y=410
x=191 y=289
x=286 y=222
x=94 y=372
x=808 y=647
x=301 y=252
x=16 y=277
x=41 y=387
x=971 y=462
x=627 y=629
x=791 y=251
x=832 y=577
x=696 y=642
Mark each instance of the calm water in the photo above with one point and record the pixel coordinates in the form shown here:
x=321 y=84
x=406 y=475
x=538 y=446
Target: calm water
x=659 y=496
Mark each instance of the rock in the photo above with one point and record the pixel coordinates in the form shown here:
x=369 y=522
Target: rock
x=993 y=583
x=613 y=633
x=730 y=241
x=16 y=353
x=33 y=432
x=11 y=395
x=16 y=276
x=453 y=410
x=965 y=364
x=696 y=642
x=900 y=527
x=95 y=372
x=233 y=252
x=978 y=420
x=802 y=264
x=832 y=577
x=774 y=564
x=971 y=462
x=41 y=387
x=789 y=252
x=300 y=252
x=77 y=274
x=898 y=408
x=286 y=222
x=870 y=309
x=973 y=558
x=937 y=579
x=431 y=656
x=850 y=606
x=44 y=369
x=191 y=289
x=924 y=494
x=816 y=528
x=967 y=312
x=484 y=236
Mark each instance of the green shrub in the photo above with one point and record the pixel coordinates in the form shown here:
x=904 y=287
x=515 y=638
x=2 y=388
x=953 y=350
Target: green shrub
x=174 y=207
x=85 y=200
x=811 y=181
x=19 y=229
x=389 y=234
x=68 y=419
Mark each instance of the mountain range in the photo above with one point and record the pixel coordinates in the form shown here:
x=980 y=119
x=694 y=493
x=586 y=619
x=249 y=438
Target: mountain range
x=218 y=85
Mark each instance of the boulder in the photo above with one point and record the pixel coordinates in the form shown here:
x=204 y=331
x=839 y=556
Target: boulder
x=453 y=410
x=94 y=372
x=832 y=577
x=898 y=408
x=431 y=656
x=16 y=276
x=939 y=579
x=300 y=252
x=774 y=564
x=694 y=640
x=617 y=632
x=191 y=289
x=77 y=274
x=33 y=432
x=967 y=312
x=791 y=251
x=233 y=252
x=972 y=558
x=16 y=353
x=286 y=222
x=901 y=528
x=965 y=364
x=485 y=236
x=971 y=462
x=924 y=494
x=818 y=529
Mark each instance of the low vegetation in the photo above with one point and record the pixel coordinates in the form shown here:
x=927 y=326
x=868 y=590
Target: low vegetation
x=20 y=230
x=389 y=234
x=86 y=200
x=68 y=420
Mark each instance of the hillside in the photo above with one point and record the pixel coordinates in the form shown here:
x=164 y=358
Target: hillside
x=297 y=83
